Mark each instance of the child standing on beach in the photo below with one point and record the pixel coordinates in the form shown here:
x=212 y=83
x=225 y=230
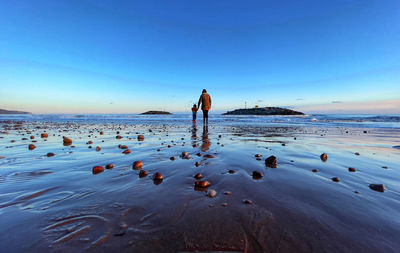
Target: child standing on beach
x=194 y=112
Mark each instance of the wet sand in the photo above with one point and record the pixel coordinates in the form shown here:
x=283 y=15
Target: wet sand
x=57 y=203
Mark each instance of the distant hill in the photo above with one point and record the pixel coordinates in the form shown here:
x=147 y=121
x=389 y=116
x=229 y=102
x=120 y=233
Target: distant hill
x=2 y=111
x=156 y=112
x=264 y=111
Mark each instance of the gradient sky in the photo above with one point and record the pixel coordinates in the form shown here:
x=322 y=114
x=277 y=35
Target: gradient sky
x=107 y=56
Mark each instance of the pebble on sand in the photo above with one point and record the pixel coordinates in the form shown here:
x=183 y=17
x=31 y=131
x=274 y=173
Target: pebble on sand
x=109 y=166
x=31 y=147
x=172 y=158
x=98 y=148
x=202 y=184
x=118 y=137
x=143 y=173
x=44 y=135
x=126 y=151
x=137 y=165
x=227 y=193
x=209 y=156
x=224 y=204
x=89 y=142
x=271 y=161
x=258 y=155
x=197 y=164
x=185 y=155
x=97 y=169
x=257 y=175
x=247 y=201
x=158 y=176
x=335 y=179
x=67 y=141
x=140 y=137
x=232 y=171
x=101 y=133
x=352 y=169
x=324 y=157
x=50 y=154
x=198 y=176
x=212 y=193
x=356 y=153
x=123 y=146
x=198 y=154
x=314 y=170
x=32 y=137
x=377 y=187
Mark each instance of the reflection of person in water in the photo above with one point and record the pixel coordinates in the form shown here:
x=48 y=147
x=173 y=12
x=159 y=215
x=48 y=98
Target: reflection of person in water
x=206 y=143
x=194 y=134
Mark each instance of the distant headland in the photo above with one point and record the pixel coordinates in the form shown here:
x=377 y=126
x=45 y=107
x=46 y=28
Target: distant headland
x=156 y=112
x=2 y=111
x=264 y=111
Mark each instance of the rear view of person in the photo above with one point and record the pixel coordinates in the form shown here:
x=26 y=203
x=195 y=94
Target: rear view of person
x=205 y=101
x=194 y=112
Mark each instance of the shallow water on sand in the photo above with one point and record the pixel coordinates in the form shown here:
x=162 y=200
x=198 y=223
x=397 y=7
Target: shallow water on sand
x=57 y=204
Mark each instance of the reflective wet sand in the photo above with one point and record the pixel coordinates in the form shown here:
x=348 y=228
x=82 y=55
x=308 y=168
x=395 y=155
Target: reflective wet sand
x=56 y=203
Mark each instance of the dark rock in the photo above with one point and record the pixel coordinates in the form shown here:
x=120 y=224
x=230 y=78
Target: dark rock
x=324 y=157
x=352 y=169
x=156 y=112
x=143 y=173
x=97 y=169
x=209 y=156
x=118 y=137
x=98 y=148
x=257 y=175
x=271 y=161
x=335 y=179
x=140 y=137
x=247 y=201
x=232 y=171
x=31 y=147
x=202 y=184
x=258 y=155
x=197 y=164
x=67 y=141
x=356 y=153
x=172 y=158
x=158 y=176
x=50 y=154
x=137 y=165
x=314 y=170
x=32 y=137
x=377 y=187
x=227 y=193
x=198 y=176
x=126 y=151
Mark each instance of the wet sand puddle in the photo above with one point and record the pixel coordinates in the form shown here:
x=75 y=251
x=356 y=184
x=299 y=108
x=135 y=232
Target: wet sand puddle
x=214 y=190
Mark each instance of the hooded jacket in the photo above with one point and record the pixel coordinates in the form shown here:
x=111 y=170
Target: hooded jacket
x=205 y=101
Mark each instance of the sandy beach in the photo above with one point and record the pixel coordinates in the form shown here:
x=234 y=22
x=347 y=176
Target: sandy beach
x=51 y=199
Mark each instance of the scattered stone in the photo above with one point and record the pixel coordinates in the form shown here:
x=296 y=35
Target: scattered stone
x=98 y=148
x=257 y=175
x=247 y=201
x=50 y=154
x=123 y=146
x=118 y=137
x=314 y=170
x=258 y=155
x=324 y=157
x=365 y=132
x=89 y=142
x=101 y=133
x=271 y=161
x=283 y=144
x=185 y=155
x=32 y=137
x=356 y=192
x=198 y=176
x=140 y=137
x=198 y=154
x=384 y=167
x=126 y=151
x=197 y=164
x=224 y=204
x=356 y=153
x=227 y=193
x=44 y=135
x=158 y=176
x=109 y=166
x=212 y=193
x=31 y=147
x=137 y=165
x=97 y=169
x=352 y=169
x=143 y=173
x=67 y=141
x=209 y=156
x=335 y=179
x=172 y=158
x=89 y=146
x=158 y=150
x=202 y=184
x=377 y=187
x=232 y=171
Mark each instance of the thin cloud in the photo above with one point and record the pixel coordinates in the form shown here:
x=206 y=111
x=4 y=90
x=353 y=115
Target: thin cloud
x=337 y=102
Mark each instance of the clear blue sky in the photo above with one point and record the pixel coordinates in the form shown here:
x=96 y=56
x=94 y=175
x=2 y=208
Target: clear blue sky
x=95 y=56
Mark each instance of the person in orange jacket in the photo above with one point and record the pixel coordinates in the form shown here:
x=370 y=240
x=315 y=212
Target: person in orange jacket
x=194 y=112
x=205 y=101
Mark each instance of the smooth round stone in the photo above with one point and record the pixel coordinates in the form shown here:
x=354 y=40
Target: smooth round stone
x=97 y=169
x=209 y=156
x=89 y=142
x=137 y=165
x=126 y=151
x=31 y=147
x=140 y=137
x=172 y=158
x=123 y=146
x=258 y=155
x=197 y=164
x=324 y=157
x=109 y=166
x=158 y=176
x=356 y=153
x=228 y=193
x=101 y=133
x=198 y=154
x=257 y=175
x=247 y=201
x=377 y=187
x=198 y=176
x=98 y=148
x=202 y=184
x=32 y=137
x=50 y=154
x=336 y=179
x=224 y=204
x=212 y=193
x=314 y=170
x=118 y=137
x=67 y=141
x=143 y=173
x=271 y=161
x=44 y=135
x=352 y=169
x=232 y=171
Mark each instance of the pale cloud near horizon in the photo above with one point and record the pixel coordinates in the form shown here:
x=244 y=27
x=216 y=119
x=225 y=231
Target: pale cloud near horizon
x=367 y=107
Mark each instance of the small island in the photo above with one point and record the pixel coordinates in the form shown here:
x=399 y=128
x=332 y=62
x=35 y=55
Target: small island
x=264 y=111
x=155 y=112
x=2 y=111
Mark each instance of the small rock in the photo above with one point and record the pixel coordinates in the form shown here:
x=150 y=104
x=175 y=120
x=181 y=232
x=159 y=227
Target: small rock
x=198 y=154
x=271 y=161
x=50 y=154
x=44 y=135
x=109 y=166
x=198 y=176
x=212 y=193
x=98 y=148
x=31 y=147
x=224 y=204
x=356 y=153
x=314 y=170
x=197 y=164
x=283 y=144
x=101 y=133
x=143 y=173
x=377 y=187
x=324 y=157
x=185 y=155
x=352 y=169
x=32 y=137
x=202 y=184
x=247 y=201
x=137 y=165
x=89 y=142
x=209 y=156
x=356 y=192
x=118 y=137
x=257 y=175
x=126 y=151
x=158 y=176
x=67 y=141
x=227 y=193
x=123 y=146
x=172 y=158
x=232 y=171
x=384 y=167
x=97 y=169
x=258 y=155
x=335 y=179
x=158 y=150
x=365 y=132
x=140 y=137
